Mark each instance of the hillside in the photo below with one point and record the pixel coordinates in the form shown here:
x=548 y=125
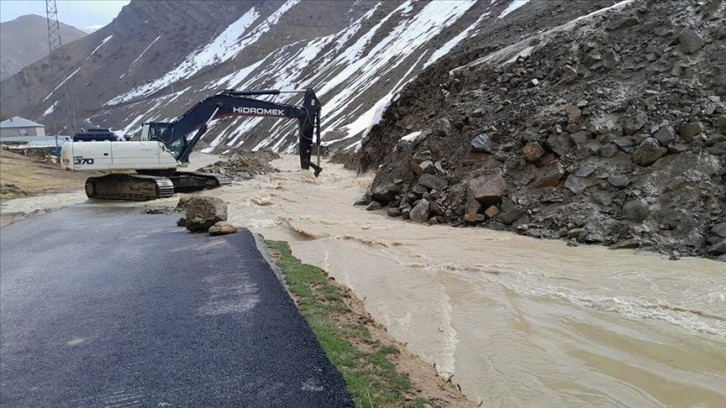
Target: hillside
x=606 y=130
x=156 y=59
x=25 y=40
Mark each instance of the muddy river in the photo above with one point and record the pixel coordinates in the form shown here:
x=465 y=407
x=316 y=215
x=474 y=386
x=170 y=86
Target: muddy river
x=517 y=322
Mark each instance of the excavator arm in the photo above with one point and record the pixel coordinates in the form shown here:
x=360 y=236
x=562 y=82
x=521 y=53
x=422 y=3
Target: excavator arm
x=175 y=135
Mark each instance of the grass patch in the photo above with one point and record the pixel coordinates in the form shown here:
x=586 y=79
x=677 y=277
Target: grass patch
x=370 y=374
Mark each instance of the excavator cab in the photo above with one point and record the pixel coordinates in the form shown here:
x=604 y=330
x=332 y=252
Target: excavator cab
x=153 y=131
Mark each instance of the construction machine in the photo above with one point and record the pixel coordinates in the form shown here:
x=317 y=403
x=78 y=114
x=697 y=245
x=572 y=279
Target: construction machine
x=166 y=146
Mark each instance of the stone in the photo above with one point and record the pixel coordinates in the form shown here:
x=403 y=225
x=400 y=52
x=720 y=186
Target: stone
x=648 y=152
x=426 y=167
x=719 y=230
x=550 y=176
x=420 y=212
x=203 y=212
x=688 y=131
x=474 y=218
x=437 y=209
x=580 y=138
x=385 y=193
x=626 y=244
x=573 y=113
x=483 y=144
x=492 y=211
x=510 y=216
x=373 y=206
x=610 y=59
x=609 y=150
x=718 y=248
x=560 y=143
x=619 y=181
x=577 y=184
x=181 y=222
x=532 y=152
x=533 y=83
x=665 y=135
x=585 y=170
x=487 y=189
x=591 y=59
x=432 y=182
x=636 y=210
x=626 y=143
x=394 y=212
x=691 y=40
x=634 y=123
x=222 y=228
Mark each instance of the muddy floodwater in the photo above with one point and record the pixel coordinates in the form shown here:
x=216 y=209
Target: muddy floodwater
x=517 y=322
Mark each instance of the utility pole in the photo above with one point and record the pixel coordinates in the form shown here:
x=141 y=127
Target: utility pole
x=56 y=67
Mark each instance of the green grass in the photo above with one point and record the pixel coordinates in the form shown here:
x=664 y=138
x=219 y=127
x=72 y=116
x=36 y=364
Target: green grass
x=372 y=379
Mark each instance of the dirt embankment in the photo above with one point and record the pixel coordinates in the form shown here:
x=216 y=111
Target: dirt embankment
x=610 y=130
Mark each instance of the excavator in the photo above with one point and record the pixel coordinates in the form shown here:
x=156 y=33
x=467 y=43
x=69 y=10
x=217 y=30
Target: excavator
x=166 y=146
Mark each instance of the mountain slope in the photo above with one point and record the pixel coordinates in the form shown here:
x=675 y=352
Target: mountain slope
x=608 y=130
x=154 y=61
x=25 y=40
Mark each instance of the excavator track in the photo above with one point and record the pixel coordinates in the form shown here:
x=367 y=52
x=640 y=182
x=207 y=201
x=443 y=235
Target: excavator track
x=137 y=187
x=188 y=181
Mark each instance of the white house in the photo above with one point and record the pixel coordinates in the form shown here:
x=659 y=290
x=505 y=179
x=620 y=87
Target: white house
x=17 y=126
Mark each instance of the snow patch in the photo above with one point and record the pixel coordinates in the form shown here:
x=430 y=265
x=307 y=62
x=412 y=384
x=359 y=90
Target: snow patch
x=515 y=4
x=143 y=52
x=105 y=40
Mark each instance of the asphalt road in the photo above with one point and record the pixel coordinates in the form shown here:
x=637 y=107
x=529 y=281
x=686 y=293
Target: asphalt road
x=102 y=307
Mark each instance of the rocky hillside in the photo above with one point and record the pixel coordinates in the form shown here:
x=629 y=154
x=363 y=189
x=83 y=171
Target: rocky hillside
x=608 y=129
x=156 y=59
x=25 y=40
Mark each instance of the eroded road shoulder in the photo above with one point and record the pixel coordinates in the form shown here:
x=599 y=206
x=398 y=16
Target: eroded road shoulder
x=106 y=307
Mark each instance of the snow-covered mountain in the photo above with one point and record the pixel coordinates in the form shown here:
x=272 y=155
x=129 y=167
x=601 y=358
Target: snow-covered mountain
x=157 y=59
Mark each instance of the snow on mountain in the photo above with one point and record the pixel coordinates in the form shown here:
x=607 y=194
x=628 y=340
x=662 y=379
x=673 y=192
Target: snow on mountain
x=356 y=55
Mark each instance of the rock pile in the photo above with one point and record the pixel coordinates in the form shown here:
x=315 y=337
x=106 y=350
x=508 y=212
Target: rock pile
x=611 y=131
x=244 y=164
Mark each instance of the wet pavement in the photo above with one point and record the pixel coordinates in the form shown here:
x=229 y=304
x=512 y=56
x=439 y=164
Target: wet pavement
x=108 y=307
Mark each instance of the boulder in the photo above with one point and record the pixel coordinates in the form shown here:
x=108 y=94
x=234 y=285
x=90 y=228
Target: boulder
x=691 y=40
x=719 y=230
x=610 y=59
x=688 y=131
x=432 y=182
x=222 y=228
x=619 y=181
x=532 y=152
x=426 y=167
x=665 y=135
x=483 y=144
x=487 y=189
x=635 y=123
x=648 y=152
x=577 y=184
x=550 y=176
x=636 y=210
x=492 y=211
x=420 y=212
x=203 y=212
x=373 y=206
x=385 y=193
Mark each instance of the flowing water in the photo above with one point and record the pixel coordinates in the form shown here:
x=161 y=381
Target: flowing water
x=518 y=322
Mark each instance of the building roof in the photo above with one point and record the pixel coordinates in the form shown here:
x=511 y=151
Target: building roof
x=18 y=122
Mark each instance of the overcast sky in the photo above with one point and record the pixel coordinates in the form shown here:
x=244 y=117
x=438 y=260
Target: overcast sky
x=78 y=13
